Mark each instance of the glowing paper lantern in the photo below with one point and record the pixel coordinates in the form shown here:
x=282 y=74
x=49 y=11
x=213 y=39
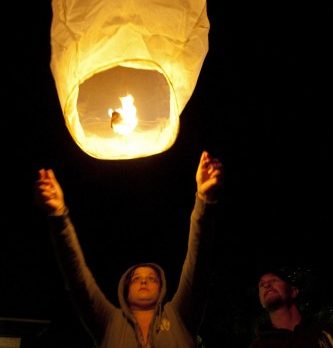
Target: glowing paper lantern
x=125 y=69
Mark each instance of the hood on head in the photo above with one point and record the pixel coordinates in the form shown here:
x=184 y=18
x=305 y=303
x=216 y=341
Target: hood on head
x=124 y=282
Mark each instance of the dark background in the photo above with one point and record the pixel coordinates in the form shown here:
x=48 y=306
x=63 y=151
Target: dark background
x=262 y=104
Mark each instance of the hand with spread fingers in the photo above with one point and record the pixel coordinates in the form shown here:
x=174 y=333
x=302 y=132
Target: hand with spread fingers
x=209 y=177
x=48 y=193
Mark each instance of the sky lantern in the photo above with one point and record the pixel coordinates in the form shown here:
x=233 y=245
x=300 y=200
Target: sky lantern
x=125 y=69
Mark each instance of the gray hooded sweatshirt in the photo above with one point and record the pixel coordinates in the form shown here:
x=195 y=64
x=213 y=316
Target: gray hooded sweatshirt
x=176 y=322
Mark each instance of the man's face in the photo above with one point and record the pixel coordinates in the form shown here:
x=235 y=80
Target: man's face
x=144 y=289
x=274 y=292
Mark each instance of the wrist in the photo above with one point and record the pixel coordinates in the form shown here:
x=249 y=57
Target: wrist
x=201 y=196
x=59 y=211
x=207 y=198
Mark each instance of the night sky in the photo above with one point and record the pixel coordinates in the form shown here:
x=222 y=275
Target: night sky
x=262 y=104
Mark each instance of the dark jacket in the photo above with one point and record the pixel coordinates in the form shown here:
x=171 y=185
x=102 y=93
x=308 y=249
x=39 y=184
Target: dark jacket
x=308 y=334
x=175 y=323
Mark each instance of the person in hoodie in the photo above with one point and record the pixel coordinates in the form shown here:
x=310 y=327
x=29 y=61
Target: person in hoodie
x=286 y=326
x=143 y=318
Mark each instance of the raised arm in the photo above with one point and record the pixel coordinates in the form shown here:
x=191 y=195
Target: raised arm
x=93 y=307
x=190 y=298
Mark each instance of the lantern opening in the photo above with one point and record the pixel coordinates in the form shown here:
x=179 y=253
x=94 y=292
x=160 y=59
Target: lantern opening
x=141 y=99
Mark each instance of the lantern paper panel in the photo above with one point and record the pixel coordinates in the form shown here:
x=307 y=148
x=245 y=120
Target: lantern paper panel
x=125 y=69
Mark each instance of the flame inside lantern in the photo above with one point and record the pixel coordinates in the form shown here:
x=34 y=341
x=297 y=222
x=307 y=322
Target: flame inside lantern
x=124 y=120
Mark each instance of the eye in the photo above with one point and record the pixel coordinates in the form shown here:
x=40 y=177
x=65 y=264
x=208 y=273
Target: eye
x=135 y=279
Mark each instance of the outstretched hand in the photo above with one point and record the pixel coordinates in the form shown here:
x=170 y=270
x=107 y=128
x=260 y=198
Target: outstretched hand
x=48 y=193
x=209 y=177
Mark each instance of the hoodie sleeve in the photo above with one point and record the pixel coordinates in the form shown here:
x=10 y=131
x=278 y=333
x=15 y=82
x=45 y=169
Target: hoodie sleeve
x=190 y=298
x=92 y=306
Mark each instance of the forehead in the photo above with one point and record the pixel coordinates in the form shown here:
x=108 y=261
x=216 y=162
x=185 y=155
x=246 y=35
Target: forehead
x=144 y=270
x=269 y=276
